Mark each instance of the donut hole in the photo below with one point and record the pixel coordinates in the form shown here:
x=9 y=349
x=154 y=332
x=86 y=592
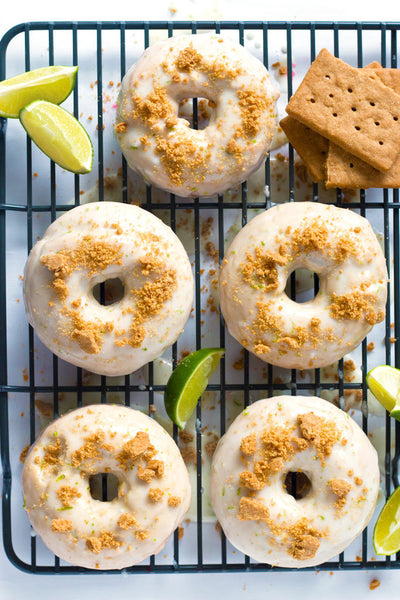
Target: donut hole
x=103 y=486
x=302 y=286
x=297 y=484
x=109 y=291
x=197 y=111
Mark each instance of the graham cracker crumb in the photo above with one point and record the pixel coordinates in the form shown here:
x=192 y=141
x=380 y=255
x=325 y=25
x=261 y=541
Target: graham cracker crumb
x=210 y=447
x=252 y=106
x=321 y=433
x=142 y=534
x=60 y=288
x=340 y=488
x=311 y=238
x=248 y=445
x=68 y=495
x=61 y=525
x=188 y=59
x=57 y=263
x=24 y=453
x=178 y=155
x=251 y=509
x=105 y=540
x=121 y=127
x=261 y=269
x=90 y=449
x=251 y=481
x=127 y=521
x=277 y=443
x=261 y=349
x=157 y=466
x=355 y=306
x=348 y=369
x=211 y=251
x=145 y=474
x=87 y=335
x=375 y=583
x=155 y=494
x=305 y=539
x=52 y=454
x=174 y=501
x=154 y=108
x=186 y=437
x=189 y=455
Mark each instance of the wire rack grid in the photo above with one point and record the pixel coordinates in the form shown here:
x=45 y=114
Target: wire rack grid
x=386 y=205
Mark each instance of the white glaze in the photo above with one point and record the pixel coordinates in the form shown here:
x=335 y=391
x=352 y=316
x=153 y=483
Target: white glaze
x=138 y=226
x=318 y=506
x=221 y=169
x=89 y=516
x=361 y=272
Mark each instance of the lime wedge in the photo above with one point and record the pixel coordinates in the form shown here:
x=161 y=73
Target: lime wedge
x=387 y=528
x=48 y=83
x=187 y=383
x=59 y=135
x=384 y=383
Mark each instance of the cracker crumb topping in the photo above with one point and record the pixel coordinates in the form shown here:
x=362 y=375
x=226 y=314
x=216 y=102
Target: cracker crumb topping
x=153 y=108
x=174 y=501
x=61 y=525
x=155 y=494
x=127 y=521
x=52 y=455
x=105 y=540
x=311 y=238
x=90 y=450
x=252 y=107
x=251 y=509
x=24 y=453
x=340 y=488
x=305 y=541
x=321 y=433
x=188 y=59
x=261 y=270
x=68 y=495
x=248 y=445
x=355 y=306
x=179 y=155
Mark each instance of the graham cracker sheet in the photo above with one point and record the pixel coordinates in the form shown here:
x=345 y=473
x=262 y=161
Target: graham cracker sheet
x=351 y=107
x=309 y=145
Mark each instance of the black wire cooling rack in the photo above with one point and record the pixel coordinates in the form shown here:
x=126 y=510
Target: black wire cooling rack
x=386 y=204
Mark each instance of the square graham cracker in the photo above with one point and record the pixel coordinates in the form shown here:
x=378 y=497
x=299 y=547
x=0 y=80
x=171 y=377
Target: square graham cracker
x=309 y=145
x=346 y=171
x=343 y=170
x=351 y=107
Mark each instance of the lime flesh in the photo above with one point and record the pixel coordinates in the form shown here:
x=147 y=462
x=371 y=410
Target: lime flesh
x=53 y=84
x=187 y=383
x=387 y=528
x=59 y=135
x=384 y=383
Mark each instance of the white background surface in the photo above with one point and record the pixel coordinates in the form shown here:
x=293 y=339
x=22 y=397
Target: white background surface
x=14 y=584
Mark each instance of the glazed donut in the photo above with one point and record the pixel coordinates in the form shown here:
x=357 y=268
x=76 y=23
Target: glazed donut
x=249 y=481
x=153 y=486
x=99 y=242
x=337 y=244
x=163 y=148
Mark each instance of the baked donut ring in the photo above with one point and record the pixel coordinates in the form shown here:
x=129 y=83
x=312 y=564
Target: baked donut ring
x=153 y=486
x=94 y=243
x=249 y=481
x=162 y=147
x=337 y=244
